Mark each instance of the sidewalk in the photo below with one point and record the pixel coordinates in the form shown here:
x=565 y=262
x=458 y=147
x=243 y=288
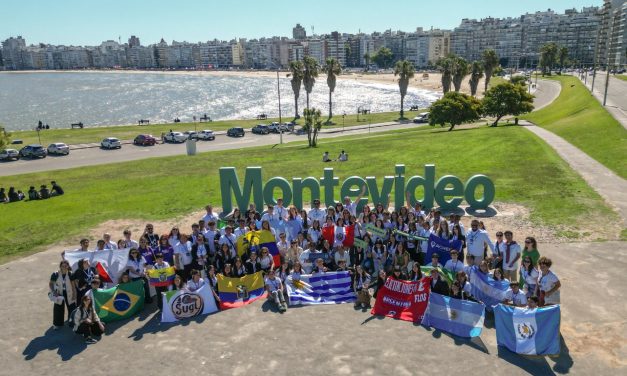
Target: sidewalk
x=616 y=103
x=610 y=186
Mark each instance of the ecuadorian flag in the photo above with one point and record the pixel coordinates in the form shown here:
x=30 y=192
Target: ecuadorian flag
x=237 y=292
x=119 y=302
x=161 y=277
x=266 y=239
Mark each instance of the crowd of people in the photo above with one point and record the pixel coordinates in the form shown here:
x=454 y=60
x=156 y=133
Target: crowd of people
x=205 y=251
x=15 y=195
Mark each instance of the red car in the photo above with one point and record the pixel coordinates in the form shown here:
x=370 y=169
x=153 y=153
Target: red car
x=145 y=140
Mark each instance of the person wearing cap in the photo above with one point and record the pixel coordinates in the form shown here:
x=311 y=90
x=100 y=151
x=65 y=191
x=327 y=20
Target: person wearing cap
x=275 y=291
x=160 y=263
x=316 y=213
x=435 y=263
x=514 y=296
x=438 y=285
x=454 y=264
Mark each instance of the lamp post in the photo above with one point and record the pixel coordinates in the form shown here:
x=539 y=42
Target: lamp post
x=607 y=59
x=343 y=117
x=278 y=90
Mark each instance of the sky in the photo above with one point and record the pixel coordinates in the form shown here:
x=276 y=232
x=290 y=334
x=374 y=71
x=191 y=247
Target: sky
x=89 y=22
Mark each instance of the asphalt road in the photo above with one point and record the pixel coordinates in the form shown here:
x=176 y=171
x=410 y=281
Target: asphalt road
x=91 y=156
x=616 y=102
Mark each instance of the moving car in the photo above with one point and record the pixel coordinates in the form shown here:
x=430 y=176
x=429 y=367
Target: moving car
x=422 y=117
x=8 y=154
x=191 y=135
x=58 y=148
x=111 y=143
x=261 y=129
x=33 y=151
x=206 y=134
x=145 y=140
x=176 y=137
x=235 y=132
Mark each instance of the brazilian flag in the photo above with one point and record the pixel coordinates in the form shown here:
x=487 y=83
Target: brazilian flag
x=446 y=274
x=119 y=302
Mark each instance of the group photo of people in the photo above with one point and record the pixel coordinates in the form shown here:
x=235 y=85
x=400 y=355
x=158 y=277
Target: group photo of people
x=388 y=243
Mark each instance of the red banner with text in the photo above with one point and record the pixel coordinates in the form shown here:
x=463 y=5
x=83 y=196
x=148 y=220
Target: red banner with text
x=403 y=300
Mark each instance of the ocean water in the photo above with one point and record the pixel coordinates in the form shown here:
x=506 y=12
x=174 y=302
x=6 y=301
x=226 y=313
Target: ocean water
x=98 y=99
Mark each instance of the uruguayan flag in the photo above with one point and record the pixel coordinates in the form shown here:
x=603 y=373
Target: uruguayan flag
x=320 y=288
x=485 y=289
x=459 y=317
x=528 y=331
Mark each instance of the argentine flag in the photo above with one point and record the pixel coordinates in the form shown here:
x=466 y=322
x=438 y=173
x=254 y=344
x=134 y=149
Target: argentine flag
x=528 y=331
x=459 y=317
x=485 y=289
x=320 y=288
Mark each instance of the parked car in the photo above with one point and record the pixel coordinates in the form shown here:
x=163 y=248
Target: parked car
x=8 y=154
x=33 y=151
x=206 y=134
x=261 y=129
x=176 y=137
x=58 y=148
x=274 y=127
x=235 y=132
x=145 y=140
x=111 y=143
x=422 y=117
x=191 y=135
x=287 y=127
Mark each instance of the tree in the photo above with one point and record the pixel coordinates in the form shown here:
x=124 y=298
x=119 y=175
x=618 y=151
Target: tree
x=562 y=56
x=367 y=58
x=5 y=138
x=310 y=73
x=460 y=69
x=548 y=57
x=383 y=57
x=296 y=69
x=490 y=62
x=312 y=125
x=404 y=69
x=476 y=73
x=332 y=69
x=454 y=108
x=348 y=52
x=507 y=99
x=518 y=80
x=444 y=65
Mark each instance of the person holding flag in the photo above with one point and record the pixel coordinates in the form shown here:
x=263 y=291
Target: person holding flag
x=161 y=264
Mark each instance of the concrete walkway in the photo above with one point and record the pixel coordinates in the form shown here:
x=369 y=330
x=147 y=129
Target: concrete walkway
x=610 y=186
x=616 y=103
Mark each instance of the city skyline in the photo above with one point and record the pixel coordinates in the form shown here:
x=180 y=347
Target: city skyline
x=82 y=24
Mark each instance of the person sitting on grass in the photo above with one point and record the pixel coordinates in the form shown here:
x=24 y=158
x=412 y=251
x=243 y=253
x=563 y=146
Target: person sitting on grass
x=87 y=322
x=275 y=291
x=56 y=189
x=343 y=157
x=325 y=157
x=44 y=192
x=33 y=194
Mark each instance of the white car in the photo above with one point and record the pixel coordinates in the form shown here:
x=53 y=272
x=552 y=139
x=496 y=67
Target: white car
x=111 y=143
x=206 y=134
x=8 y=154
x=191 y=135
x=176 y=137
x=58 y=148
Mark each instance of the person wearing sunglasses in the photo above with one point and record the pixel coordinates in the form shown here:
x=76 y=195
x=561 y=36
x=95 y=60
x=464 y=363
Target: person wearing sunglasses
x=136 y=268
x=62 y=293
x=529 y=276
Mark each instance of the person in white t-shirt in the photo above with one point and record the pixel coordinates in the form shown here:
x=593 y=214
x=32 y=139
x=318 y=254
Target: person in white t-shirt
x=511 y=255
x=229 y=239
x=316 y=213
x=270 y=215
x=548 y=283
x=307 y=256
x=130 y=243
x=476 y=239
x=275 y=291
x=514 y=296
x=454 y=264
x=280 y=210
x=352 y=205
x=209 y=215
x=196 y=282
x=109 y=244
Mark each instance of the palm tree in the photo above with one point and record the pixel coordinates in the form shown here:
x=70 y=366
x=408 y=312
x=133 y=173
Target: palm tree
x=476 y=72
x=444 y=64
x=490 y=62
x=461 y=68
x=367 y=58
x=296 y=69
x=562 y=55
x=548 y=56
x=332 y=69
x=309 y=74
x=404 y=69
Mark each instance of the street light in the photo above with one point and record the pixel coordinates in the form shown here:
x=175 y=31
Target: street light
x=278 y=90
x=343 y=116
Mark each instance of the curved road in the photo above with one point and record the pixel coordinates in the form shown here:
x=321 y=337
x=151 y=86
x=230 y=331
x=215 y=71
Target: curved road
x=92 y=155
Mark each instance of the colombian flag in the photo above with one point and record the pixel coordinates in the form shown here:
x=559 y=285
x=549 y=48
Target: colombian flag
x=161 y=277
x=119 y=302
x=266 y=239
x=237 y=292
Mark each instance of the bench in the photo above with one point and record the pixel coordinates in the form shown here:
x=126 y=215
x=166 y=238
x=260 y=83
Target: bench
x=77 y=125
x=262 y=117
x=143 y=121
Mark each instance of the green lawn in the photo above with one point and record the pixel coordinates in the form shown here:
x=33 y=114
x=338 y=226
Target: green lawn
x=621 y=77
x=578 y=117
x=524 y=169
x=128 y=132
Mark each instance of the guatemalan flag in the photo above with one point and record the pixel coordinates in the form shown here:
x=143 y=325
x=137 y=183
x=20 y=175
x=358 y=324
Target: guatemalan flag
x=320 y=288
x=528 y=331
x=462 y=318
x=485 y=289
